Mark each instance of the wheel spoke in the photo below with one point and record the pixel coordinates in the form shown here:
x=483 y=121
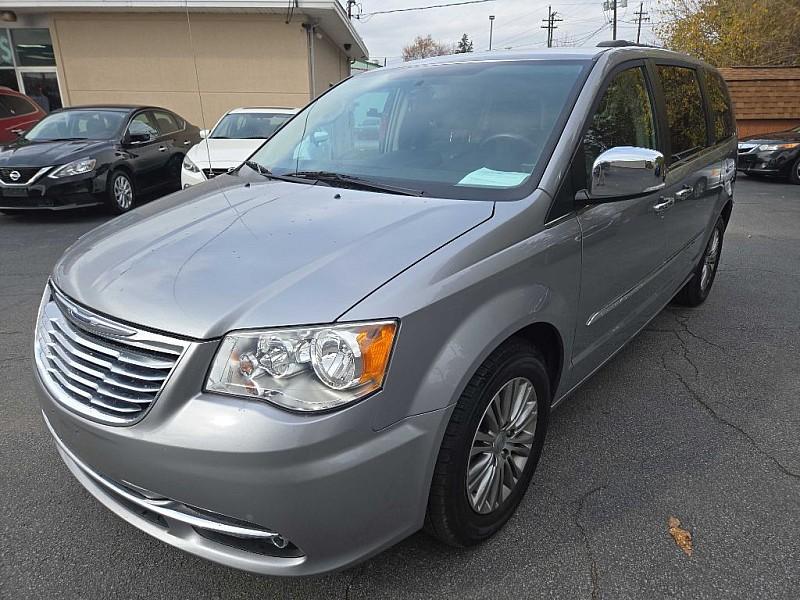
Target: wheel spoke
x=483 y=437
x=518 y=449
x=509 y=477
x=485 y=484
x=497 y=484
x=478 y=472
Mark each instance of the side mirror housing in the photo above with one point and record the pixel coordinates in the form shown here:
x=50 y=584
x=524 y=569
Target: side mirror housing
x=625 y=172
x=320 y=137
x=204 y=133
x=135 y=139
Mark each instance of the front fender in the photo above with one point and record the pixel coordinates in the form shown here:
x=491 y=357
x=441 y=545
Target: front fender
x=462 y=302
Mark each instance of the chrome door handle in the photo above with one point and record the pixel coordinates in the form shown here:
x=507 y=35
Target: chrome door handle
x=684 y=193
x=662 y=206
x=187 y=142
x=162 y=148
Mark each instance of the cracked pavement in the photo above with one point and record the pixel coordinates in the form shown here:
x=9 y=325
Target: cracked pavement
x=697 y=418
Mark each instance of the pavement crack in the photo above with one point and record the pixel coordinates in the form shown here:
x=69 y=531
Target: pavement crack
x=683 y=321
x=709 y=409
x=593 y=571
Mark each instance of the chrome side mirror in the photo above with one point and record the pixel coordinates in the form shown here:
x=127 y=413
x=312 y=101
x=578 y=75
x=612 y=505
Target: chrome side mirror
x=625 y=172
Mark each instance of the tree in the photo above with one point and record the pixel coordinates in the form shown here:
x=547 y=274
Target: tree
x=733 y=32
x=423 y=47
x=464 y=45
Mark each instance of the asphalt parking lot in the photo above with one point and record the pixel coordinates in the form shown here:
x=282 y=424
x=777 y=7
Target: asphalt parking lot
x=697 y=418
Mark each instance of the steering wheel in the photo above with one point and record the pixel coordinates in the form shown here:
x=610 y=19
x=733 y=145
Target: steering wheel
x=514 y=146
x=514 y=138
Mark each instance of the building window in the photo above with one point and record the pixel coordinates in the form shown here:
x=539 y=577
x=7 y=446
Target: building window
x=28 y=65
x=33 y=48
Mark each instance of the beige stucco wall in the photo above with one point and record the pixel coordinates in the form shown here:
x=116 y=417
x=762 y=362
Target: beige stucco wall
x=331 y=65
x=241 y=60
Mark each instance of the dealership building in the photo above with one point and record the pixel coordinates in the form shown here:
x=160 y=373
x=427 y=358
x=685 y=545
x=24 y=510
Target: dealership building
x=199 y=58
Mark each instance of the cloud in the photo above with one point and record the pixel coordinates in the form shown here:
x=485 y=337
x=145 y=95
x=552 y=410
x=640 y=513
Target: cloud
x=517 y=23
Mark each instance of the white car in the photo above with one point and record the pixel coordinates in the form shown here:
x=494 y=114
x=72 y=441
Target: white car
x=232 y=140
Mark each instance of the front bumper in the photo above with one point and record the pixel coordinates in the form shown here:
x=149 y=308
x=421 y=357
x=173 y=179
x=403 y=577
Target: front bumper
x=55 y=194
x=776 y=162
x=335 y=489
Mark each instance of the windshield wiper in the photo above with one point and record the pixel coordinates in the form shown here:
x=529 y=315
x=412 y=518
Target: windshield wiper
x=264 y=171
x=64 y=139
x=330 y=177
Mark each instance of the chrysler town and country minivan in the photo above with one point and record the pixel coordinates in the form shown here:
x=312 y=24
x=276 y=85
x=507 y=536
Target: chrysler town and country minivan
x=295 y=365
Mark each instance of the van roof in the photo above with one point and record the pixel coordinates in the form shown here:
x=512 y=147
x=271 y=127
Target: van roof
x=619 y=47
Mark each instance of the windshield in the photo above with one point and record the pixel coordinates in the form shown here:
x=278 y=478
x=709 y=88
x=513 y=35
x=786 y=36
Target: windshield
x=464 y=130
x=79 y=125
x=244 y=126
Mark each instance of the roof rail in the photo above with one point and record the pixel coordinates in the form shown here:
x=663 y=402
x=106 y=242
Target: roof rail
x=621 y=44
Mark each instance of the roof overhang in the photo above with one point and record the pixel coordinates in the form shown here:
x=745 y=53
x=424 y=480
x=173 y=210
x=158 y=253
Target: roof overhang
x=327 y=14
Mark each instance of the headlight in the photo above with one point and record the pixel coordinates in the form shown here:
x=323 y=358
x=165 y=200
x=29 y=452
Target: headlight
x=306 y=368
x=189 y=165
x=772 y=147
x=77 y=167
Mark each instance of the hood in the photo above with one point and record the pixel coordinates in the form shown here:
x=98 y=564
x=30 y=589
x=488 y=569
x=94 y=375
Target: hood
x=25 y=153
x=227 y=255
x=219 y=153
x=779 y=136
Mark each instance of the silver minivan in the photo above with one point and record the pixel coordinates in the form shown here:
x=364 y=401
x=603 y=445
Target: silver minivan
x=362 y=331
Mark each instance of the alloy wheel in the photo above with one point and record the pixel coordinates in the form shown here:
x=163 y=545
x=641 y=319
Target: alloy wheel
x=501 y=445
x=123 y=192
x=710 y=261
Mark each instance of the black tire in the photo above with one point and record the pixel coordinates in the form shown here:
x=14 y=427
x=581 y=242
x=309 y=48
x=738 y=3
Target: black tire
x=696 y=290
x=174 y=171
x=794 y=174
x=450 y=516
x=114 y=203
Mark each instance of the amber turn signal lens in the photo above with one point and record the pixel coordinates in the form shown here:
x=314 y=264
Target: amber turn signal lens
x=376 y=346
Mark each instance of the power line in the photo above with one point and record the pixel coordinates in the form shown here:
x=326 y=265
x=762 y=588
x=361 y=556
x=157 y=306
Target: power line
x=397 y=10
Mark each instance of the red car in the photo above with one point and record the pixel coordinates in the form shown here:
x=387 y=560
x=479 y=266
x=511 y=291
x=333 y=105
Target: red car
x=18 y=113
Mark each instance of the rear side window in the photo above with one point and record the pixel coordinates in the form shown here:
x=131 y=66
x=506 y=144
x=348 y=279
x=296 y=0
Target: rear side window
x=720 y=105
x=623 y=118
x=17 y=106
x=141 y=124
x=166 y=122
x=685 y=113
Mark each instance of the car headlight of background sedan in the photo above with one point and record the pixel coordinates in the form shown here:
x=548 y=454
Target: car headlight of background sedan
x=76 y=167
x=189 y=165
x=773 y=147
x=305 y=368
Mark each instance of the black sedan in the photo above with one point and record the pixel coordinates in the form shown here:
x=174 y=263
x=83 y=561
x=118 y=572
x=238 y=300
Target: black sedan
x=94 y=155
x=771 y=155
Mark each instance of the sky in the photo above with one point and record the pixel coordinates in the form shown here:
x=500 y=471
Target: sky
x=517 y=23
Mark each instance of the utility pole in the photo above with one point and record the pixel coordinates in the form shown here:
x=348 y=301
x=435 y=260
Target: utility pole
x=612 y=6
x=491 y=30
x=615 y=19
x=642 y=15
x=551 y=26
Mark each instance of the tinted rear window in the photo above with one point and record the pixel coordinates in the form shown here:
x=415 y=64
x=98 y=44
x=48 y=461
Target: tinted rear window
x=720 y=106
x=16 y=106
x=685 y=112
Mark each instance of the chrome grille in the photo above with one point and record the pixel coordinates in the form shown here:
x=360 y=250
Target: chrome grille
x=101 y=369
